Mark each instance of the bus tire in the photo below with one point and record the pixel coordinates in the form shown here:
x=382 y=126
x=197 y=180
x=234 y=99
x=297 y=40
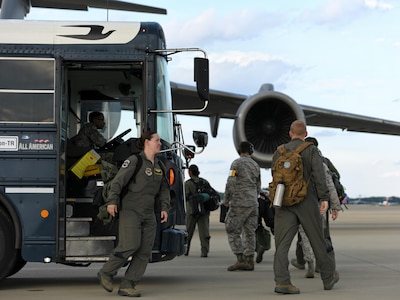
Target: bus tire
x=19 y=264
x=8 y=253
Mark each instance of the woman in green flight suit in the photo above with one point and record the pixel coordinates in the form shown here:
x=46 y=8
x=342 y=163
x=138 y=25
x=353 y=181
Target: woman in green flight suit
x=137 y=221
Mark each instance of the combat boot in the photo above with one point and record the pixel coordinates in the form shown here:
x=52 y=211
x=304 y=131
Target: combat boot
x=296 y=264
x=239 y=265
x=105 y=281
x=249 y=263
x=127 y=288
x=310 y=270
x=335 y=279
x=286 y=289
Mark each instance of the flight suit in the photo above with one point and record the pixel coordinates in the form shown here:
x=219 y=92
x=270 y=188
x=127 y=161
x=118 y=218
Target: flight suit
x=306 y=213
x=137 y=221
x=334 y=204
x=203 y=221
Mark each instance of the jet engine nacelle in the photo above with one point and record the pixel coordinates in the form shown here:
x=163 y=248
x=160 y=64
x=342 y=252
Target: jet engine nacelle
x=264 y=120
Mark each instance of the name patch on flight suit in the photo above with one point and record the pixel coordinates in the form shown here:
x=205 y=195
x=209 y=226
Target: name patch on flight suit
x=157 y=171
x=232 y=173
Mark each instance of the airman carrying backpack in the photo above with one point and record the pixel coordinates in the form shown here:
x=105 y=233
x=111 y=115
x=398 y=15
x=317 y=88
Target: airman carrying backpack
x=288 y=169
x=205 y=199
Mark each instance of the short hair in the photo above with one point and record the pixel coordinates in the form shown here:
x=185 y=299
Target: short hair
x=312 y=140
x=194 y=170
x=298 y=127
x=246 y=147
x=94 y=115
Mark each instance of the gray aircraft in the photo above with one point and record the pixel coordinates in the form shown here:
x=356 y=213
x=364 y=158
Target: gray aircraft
x=263 y=118
x=18 y=9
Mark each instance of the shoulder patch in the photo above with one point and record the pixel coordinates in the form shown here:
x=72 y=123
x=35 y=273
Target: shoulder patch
x=125 y=163
x=232 y=172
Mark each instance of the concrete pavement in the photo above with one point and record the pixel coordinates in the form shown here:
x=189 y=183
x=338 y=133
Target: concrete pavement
x=367 y=246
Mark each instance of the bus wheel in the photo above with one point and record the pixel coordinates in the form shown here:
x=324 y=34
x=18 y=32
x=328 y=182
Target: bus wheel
x=8 y=253
x=19 y=264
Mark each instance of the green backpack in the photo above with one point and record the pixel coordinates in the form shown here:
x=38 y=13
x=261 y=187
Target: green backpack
x=288 y=169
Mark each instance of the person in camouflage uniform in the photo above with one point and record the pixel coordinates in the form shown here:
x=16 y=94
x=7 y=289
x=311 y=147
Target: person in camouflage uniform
x=89 y=135
x=137 y=219
x=241 y=191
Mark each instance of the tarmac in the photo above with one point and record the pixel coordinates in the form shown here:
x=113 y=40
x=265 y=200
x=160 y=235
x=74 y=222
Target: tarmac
x=367 y=246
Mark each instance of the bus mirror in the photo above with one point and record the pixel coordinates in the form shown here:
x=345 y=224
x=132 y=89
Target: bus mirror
x=201 y=76
x=200 y=138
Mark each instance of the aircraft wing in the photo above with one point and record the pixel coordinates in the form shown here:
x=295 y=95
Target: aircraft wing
x=18 y=9
x=264 y=118
x=351 y=122
x=221 y=103
x=226 y=105
x=106 y=4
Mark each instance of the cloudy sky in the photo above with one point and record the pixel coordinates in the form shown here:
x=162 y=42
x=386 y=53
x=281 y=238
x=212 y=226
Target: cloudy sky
x=336 y=54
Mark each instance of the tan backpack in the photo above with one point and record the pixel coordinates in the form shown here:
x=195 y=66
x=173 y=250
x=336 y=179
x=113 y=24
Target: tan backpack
x=288 y=169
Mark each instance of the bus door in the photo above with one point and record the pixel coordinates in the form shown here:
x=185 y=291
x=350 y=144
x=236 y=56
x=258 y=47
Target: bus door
x=114 y=89
x=62 y=93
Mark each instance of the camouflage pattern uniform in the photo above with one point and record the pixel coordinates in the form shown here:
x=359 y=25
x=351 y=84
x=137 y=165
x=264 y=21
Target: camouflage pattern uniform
x=203 y=221
x=89 y=136
x=137 y=220
x=242 y=189
x=334 y=202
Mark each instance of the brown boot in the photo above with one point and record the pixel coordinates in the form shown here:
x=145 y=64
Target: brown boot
x=310 y=270
x=286 y=289
x=296 y=264
x=127 y=288
x=105 y=281
x=249 y=263
x=239 y=265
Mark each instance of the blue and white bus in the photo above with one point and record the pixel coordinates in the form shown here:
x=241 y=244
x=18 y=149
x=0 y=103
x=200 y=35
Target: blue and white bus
x=52 y=75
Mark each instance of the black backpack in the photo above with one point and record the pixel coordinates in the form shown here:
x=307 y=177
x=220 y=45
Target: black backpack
x=213 y=202
x=99 y=198
x=335 y=178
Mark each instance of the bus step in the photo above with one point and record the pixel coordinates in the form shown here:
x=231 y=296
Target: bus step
x=80 y=200
x=90 y=246
x=85 y=259
x=78 y=226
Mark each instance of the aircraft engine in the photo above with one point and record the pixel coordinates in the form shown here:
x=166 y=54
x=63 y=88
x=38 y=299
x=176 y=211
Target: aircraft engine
x=264 y=120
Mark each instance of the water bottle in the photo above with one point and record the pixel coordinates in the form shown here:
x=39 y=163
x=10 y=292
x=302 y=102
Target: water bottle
x=280 y=190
